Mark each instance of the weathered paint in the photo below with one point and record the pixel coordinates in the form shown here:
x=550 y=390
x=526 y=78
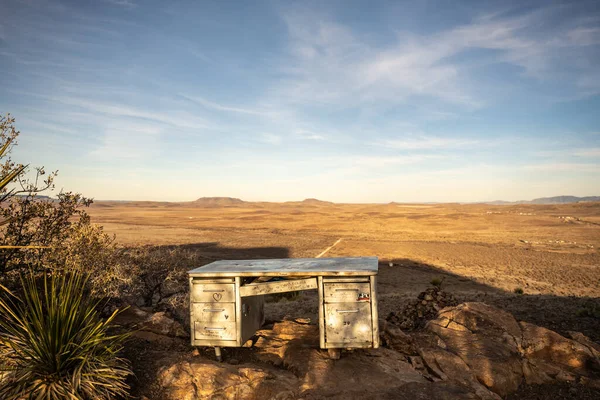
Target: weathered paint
x=348 y=322
x=342 y=292
x=349 y=266
x=211 y=312
x=347 y=299
x=291 y=285
x=374 y=313
x=212 y=292
x=214 y=330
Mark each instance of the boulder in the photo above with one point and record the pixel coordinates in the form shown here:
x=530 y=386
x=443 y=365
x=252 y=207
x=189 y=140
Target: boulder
x=450 y=367
x=586 y=341
x=487 y=340
x=394 y=338
x=162 y=324
x=204 y=379
x=159 y=323
x=552 y=356
x=295 y=347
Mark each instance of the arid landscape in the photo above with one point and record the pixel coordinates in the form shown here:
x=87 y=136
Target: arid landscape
x=539 y=262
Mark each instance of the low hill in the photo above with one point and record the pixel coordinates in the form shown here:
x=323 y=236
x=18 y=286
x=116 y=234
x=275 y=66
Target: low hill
x=218 y=201
x=564 y=199
x=547 y=200
x=316 y=202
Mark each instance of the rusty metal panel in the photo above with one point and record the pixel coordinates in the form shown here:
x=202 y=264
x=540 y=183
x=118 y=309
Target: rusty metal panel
x=348 y=323
x=215 y=330
x=212 y=292
x=347 y=292
x=284 y=286
x=213 y=312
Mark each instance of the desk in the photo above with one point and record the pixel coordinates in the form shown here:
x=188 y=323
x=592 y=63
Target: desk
x=227 y=298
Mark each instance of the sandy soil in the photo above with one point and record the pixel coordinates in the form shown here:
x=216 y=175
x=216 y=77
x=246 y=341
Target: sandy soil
x=483 y=252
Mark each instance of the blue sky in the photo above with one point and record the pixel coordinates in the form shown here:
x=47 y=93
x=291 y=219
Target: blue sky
x=345 y=101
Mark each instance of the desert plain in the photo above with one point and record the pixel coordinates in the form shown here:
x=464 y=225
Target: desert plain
x=539 y=262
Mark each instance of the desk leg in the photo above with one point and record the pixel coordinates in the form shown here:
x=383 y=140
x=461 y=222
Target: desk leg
x=334 y=354
x=218 y=353
x=374 y=313
x=238 y=311
x=321 y=313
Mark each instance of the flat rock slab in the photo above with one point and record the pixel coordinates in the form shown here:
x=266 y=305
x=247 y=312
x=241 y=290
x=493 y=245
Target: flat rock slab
x=295 y=347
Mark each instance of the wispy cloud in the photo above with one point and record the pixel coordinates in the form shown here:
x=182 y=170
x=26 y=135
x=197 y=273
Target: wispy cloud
x=271 y=138
x=330 y=64
x=564 y=167
x=122 y=3
x=591 y=152
x=426 y=143
x=388 y=161
x=178 y=119
x=228 y=108
x=309 y=135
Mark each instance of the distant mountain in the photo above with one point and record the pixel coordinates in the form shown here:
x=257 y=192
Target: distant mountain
x=37 y=197
x=316 y=202
x=500 y=202
x=564 y=199
x=548 y=200
x=218 y=201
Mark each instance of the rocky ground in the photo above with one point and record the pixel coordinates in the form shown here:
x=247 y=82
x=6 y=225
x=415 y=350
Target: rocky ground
x=536 y=265
x=465 y=351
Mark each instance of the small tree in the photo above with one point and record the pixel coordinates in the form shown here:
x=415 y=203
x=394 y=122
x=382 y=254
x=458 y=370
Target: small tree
x=42 y=233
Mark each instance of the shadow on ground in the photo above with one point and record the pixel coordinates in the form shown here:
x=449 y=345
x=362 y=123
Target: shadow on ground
x=397 y=285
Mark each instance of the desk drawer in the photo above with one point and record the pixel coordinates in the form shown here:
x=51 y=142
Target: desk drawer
x=348 y=322
x=214 y=330
x=347 y=292
x=213 y=312
x=212 y=292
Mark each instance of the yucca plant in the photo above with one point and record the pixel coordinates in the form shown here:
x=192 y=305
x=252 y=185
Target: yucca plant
x=54 y=345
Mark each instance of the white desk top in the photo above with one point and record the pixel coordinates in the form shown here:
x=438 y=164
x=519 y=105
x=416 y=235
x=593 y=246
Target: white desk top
x=349 y=266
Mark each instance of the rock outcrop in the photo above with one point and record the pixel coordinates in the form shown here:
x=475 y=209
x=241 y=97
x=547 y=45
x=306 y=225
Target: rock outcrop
x=158 y=323
x=204 y=379
x=468 y=351
x=475 y=340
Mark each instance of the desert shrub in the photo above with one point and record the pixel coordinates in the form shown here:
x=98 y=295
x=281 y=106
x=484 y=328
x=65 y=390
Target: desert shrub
x=54 y=345
x=437 y=282
x=590 y=311
x=160 y=272
x=52 y=233
x=518 y=290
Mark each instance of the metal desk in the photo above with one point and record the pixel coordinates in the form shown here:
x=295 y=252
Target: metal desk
x=227 y=298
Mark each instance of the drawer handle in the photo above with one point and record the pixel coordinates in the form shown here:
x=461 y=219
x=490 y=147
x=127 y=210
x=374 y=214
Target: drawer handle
x=346 y=290
x=214 y=329
x=213 y=309
x=212 y=291
x=346 y=311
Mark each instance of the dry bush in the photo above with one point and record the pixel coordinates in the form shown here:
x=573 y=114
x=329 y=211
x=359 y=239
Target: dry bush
x=159 y=279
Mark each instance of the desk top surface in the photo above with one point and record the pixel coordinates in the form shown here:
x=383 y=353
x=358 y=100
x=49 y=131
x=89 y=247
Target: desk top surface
x=348 y=266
